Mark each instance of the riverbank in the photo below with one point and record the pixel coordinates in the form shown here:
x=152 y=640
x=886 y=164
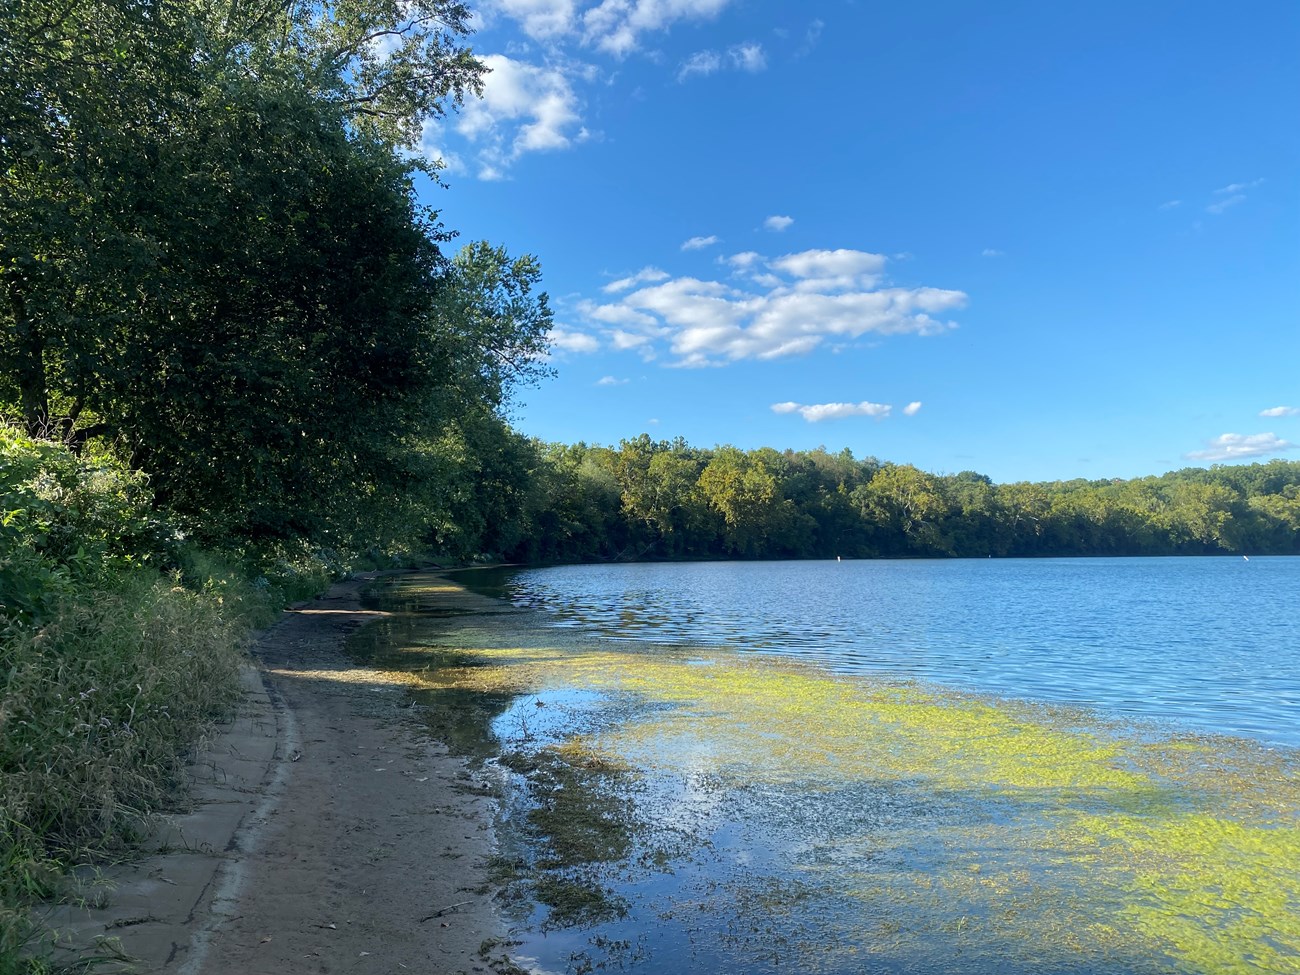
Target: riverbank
x=327 y=832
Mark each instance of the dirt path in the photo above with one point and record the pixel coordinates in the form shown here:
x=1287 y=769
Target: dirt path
x=328 y=835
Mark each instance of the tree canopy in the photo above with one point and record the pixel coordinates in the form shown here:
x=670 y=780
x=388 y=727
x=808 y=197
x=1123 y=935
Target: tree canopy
x=212 y=258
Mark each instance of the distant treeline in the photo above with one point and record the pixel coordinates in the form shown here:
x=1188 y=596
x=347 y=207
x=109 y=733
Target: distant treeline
x=648 y=499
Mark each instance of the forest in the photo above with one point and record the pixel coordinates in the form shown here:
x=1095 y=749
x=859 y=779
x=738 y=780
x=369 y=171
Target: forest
x=647 y=499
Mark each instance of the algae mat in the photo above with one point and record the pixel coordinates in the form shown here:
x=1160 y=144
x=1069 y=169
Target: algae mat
x=678 y=809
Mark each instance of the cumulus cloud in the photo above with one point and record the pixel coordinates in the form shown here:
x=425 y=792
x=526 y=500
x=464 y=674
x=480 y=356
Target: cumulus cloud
x=524 y=108
x=816 y=412
x=777 y=223
x=827 y=270
x=567 y=340
x=743 y=260
x=641 y=277
x=774 y=308
x=1236 y=446
x=616 y=26
x=913 y=408
x=699 y=243
x=1281 y=411
x=539 y=19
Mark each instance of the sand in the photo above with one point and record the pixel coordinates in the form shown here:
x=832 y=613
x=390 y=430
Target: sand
x=327 y=833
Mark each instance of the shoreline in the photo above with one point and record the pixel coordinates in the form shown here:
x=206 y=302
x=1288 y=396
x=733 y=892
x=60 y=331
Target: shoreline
x=324 y=828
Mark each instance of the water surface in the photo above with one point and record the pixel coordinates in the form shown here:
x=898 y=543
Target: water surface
x=1211 y=644
x=878 y=767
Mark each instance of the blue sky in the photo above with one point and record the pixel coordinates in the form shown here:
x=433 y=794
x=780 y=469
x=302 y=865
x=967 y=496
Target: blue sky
x=1035 y=240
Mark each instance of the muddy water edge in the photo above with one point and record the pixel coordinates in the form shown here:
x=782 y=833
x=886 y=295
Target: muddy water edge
x=678 y=809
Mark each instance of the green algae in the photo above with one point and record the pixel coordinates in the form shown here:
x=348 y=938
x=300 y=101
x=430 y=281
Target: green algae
x=1014 y=837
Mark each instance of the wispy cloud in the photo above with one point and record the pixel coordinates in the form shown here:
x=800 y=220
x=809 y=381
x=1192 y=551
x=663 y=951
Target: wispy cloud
x=741 y=57
x=1231 y=195
x=777 y=223
x=1171 y=204
x=1219 y=206
x=1232 y=189
x=699 y=243
x=992 y=252
x=913 y=408
x=817 y=412
x=1236 y=446
x=771 y=308
x=642 y=276
x=810 y=38
x=1281 y=411
x=611 y=381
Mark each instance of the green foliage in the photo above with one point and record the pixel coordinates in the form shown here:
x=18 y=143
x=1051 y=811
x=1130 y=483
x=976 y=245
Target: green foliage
x=68 y=522
x=662 y=499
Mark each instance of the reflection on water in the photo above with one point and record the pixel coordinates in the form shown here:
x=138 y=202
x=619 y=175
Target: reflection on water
x=1212 y=644
x=691 y=809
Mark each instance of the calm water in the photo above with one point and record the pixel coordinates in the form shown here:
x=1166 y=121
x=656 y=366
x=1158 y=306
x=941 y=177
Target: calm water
x=1208 y=644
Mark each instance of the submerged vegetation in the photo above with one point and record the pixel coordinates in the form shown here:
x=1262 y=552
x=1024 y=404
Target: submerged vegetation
x=775 y=809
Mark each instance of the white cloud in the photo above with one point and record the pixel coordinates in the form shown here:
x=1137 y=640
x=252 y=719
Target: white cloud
x=748 y=57
x=567 y=340
x=913 y=408
x=992 y=252
x=777 y=223
x=1236 y=446
x=1233 y=194
x=699 y=243
x=1232 y=189
x=787 y=306
x=827 y=270
x=702 y=63
x=431 y=148
x=524 y=108
x=610 y=381
x=623 y=340
x=616 y=26
x=743 y=260
x=539 y=19
x=817 y=412
x=641 y=277
x=1171 y=204
x=741 y=57
x=1226 y=203
x=1281 y=411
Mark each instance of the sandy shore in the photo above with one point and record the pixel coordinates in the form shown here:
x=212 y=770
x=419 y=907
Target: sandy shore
x=327 y=833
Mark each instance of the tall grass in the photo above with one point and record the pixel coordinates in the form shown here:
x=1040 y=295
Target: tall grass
x=96 y=711
x=119 y=644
